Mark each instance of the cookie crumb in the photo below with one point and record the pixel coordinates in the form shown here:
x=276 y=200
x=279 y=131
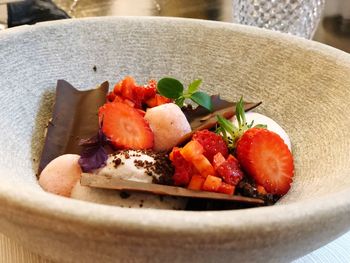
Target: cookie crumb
x=124 y=195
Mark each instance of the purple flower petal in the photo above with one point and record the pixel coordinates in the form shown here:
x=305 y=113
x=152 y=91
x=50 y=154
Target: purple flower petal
x=93 y=155
x=93 y=159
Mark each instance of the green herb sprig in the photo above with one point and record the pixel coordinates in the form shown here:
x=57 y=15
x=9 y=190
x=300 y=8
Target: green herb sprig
x=174 y=89
x=231 y=133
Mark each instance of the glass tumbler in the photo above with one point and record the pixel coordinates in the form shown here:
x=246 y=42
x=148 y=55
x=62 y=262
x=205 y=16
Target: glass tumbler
x=297 y=17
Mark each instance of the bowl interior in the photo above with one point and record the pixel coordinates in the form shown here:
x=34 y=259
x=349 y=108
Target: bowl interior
x=303 y=85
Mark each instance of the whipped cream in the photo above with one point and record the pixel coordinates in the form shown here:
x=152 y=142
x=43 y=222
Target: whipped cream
x=271 y=125
x=136 y=165
x=133 y=165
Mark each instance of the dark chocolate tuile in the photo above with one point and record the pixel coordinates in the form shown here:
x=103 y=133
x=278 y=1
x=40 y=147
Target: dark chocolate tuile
x=74 y=117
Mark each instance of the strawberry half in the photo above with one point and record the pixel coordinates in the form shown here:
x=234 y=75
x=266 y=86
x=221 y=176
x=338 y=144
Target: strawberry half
x=125 y=127
x=266 y=158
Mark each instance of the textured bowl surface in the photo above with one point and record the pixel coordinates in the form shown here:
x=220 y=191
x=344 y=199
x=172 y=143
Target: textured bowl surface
x=305 y=86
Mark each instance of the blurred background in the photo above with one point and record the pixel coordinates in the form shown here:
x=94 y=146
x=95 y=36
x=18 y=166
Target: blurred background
x=334 y=28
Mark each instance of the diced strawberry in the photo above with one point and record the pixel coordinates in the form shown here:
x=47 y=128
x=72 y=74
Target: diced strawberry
x=212 y=183
x=183 y=169
x=125 y=127
x=266 y=158
x=261 y=190
x=196 y=182
x=218 y=160
x=212 y=143
x=111 y=96
x=226 y=189
x=127 y=89
x=157 y=100
x=118 y=88
x=171 y=155
x=230 y=171
x=203 y=166
x=152 y=102
x=162 y=100
x=150 y=89
x=191 y=150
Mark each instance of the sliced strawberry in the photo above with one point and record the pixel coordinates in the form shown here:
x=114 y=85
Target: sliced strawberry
x=183 y=169
x=230 y=171
x=143 y=113
x=244 y=147
x=125 y=126
x=212 y=143
x=129 y=103
x=267 y=159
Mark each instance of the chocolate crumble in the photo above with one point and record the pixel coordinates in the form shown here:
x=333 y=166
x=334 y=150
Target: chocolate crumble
x=124 y=195
x=117 y=162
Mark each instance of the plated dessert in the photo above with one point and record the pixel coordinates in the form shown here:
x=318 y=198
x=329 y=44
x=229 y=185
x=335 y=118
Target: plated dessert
x=161 y=145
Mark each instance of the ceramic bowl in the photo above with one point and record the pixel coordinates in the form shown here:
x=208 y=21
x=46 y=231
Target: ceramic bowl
x=304 y=86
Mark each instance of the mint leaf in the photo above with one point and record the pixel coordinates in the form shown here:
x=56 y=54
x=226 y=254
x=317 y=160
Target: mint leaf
x=193 y=87
x=202 y=99
x=170 y=88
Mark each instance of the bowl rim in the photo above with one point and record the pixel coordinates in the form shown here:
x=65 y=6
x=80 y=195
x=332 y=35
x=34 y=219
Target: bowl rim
x=44 y=204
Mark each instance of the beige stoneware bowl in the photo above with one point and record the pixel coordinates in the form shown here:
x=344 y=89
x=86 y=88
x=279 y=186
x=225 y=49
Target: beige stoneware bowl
x=304 y=86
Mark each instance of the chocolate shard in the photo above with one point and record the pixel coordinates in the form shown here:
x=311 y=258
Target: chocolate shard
x=200 y=118
x=74 y=118
x=194 y=116
x=108 y=182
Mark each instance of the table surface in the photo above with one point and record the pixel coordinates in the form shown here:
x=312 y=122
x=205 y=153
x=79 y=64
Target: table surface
x=221 y=10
